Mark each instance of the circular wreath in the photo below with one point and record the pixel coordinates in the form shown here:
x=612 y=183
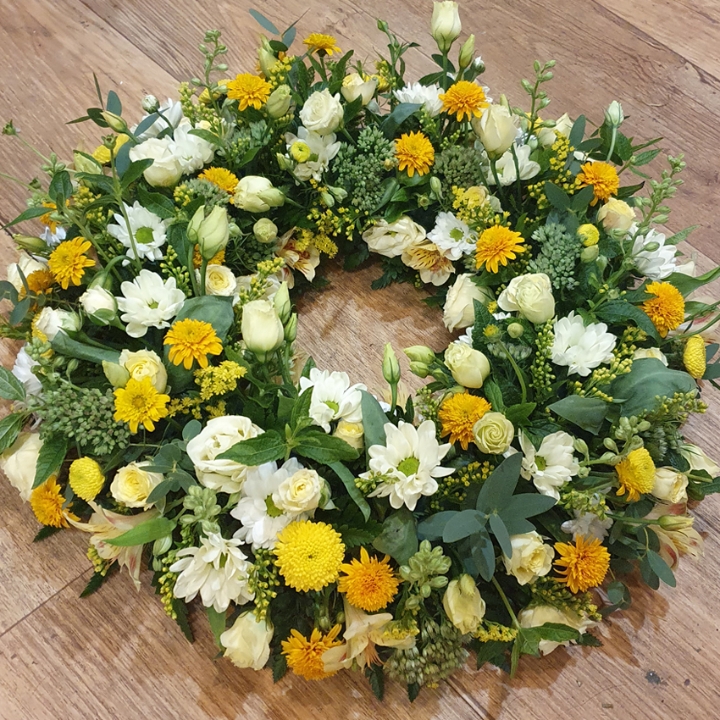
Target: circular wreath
x=323 y=527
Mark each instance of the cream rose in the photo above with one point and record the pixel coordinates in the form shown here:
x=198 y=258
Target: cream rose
x=616 y=215
x=257 y=194
x=531 y=296
x=354 y=87
x=670 y=485
x=496 y=129
x=299 y=493
x=351 y=432
x=657 y=353
x=322 y=112
x=391 y=239
x=261 y=328
x=142 y=364
x=219 y=435
x=531 y=557
x=247 y=642
x=468 y=367
x=698 y=460
x=50 y=322
x=166 y=169
x=493 y=433
x=541 y=614
x=19 y=461
x=219 y=280
x=459 y=310
x=99 y=304
x=564 y=125
x=132 y=485
x=463 y=604
x=25 y=264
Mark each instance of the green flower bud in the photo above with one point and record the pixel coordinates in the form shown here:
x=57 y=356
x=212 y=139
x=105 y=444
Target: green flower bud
x=283 y=307
x=515 y=330
x=614 y=114
x=115 y=122
x=31 y=244
x=116 y=374
x=590 y=254
x=467 y=52
x=279 y=102
x=390 y=365
x=419 y=369
x=420 y=353
x=210 y=233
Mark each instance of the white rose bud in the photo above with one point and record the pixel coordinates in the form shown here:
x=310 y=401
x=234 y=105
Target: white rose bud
x=459 y=310
x=468 y=367
x=144 y=364
x=247 y=642
x=354 y=87
x=261 y=328
x=50 y=322
x=670 y=485
x=616 y=215
x=496 y=129
x=219 y=280
x=390 y=365
x=256 y=194
x=132 y=485
x=114 y=121
x=279 y=102
x=463 y=604
x=445 y=25
x=392 y=239
x=211 y=233
x=300 y=492
x=531 y=557
x=614 y=114
x=166 y=169
x=352 y=433
x=19 y=461
x=99 y=305
x=265 y=231
x=322 y=112
x=493 y=433
x=531 y=296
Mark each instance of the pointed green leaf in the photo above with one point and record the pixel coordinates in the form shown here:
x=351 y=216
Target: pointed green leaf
x=398 y=538
x=258 y=450
x=661 y=568
x=51 y=456
x=149 y=531
x=10 y=427
x=217 y=624
x=374 y=420
x=464 y=524
x=585 y=412
x=432 y=528
x=322 y=448
x=348 y=480
x=10 y=387
x=499 y=487
x=501 y=534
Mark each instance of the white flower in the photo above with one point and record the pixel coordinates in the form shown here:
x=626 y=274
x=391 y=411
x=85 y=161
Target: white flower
x=657 y=353
x=581 y=348
x=218 y=570
x=219 y=435
x=426 y=95
x=26 y=264
x=552 y=465
x=257 y=194
x=616 y=215
x=19 y=462
x=219 y=280
x=410 y=459
x=452 y=236
x=587 y=525
x=191 y=151
x=531 y=558
x=506 y=170
x=53 y=239
x=323 y=149
x=261 y=327
x=531 y=296
x=391 y=239
x=99 y=304
x=170 y=112
x=333 y=398
x=541 y=614
x=132 y=484
x=463 y=604
x=355 y=86
x=670 y=485
x=148 y=232
x=145 y=363
x=698 y=460
x=165 y=170
x=300 y=493
x=247 y=642
x=23 y=371
x=149 y=301
x=322 y=112
x=459 y=310
x=50 y=322
x=657 y=263
x=261 y=520
x=496 y=129
x=469 y=367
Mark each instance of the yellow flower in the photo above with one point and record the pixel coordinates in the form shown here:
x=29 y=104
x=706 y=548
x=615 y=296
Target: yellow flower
x=45 y=219
x=589 y=234
x=602 y=176
x=47 y=501
x=249 y=90
x=220 y=177
x=86 y=478
x=217 y=259
x=415 y=152
x=429 y=261
x=309 y=555
x=192 y=340
x=102 y=153
x=636 y=474
x=39 y=281
x=219 y=380
x=666 y=309
x=585 y=563
x=496 y=246
x=304 y=657
x=139 y=403
x=694 y=356
x=68 y=261
x=317 y=42
x=370 y=583
x=463 y=99
x=458 y=415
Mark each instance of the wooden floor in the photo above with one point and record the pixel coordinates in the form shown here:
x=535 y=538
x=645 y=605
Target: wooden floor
x=116 y=655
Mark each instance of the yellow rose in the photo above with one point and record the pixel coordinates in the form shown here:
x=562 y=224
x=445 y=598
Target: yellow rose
x=531 y=557
x=133 y=484
x=145 y=363
x=463 y=604
x=468 y=367
x=531 y=296
x=496 y=129
x=352 y=433
x=219 y=280
x=616 y=215
x=493 y=433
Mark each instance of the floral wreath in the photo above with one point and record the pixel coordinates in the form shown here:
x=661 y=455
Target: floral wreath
x=160 y=406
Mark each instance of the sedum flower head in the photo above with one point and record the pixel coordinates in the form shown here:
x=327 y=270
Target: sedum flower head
x=636 y=474
x=458 y=415
x=86 y=478
x=584 y=564
x=369 y=583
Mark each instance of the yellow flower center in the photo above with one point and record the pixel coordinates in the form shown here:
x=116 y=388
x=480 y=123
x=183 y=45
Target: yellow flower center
x=603 y=177
x=220 y=177
x=139 y=403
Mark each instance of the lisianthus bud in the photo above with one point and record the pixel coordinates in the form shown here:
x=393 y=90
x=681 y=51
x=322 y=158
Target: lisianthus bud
x=150 y=104
x=256 y=194
x=419 y=369
x=265 y=230
x=266 y=57
x=283 y=307
x=210 y=233
x=675 y=522
x=116 y=374
x=279 y=102
x=390 y=365
x=496 y=129
x=291 y=328
x=261 y=328
x=616 y=215
x=115 y=122
x=31 y=244
x=463 y=604
x=515 y=330
x=467 y=51
x=445 y=25
x=614 y=114
x=284 y=162
x=436 y=187
x=420 y=353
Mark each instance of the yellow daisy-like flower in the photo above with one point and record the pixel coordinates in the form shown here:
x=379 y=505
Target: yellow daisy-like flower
x=46 y=502
x=38 y=281
x=636 y=474
x=318 y=42
x=249 y=90
x=415 y=153
x=139 y=403
x=666 y=309
x=458 y=414
x=86 y=478
x=603 y=177
x=68 y=261
x=45 y=219
x=309 y=554
x=192 y=340
x=694 y=356
x=220 y=177
x=304 y=657
x=585 y=563
x=369 y=583
x=464 y=99
x=496 y=246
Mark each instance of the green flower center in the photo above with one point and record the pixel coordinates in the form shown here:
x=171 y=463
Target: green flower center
x=272 y=509
x=144 y=235
x=332 y=405
x=409 y=466
x=541 y=462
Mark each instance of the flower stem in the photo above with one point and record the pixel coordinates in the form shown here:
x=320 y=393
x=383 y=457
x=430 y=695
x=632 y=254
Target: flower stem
x=506 y=603
x=518 y=371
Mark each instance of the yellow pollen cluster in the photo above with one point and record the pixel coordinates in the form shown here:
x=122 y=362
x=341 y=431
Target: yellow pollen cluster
x=219 y=380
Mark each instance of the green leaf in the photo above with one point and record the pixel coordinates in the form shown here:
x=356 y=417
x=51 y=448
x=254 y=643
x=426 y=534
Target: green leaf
x=96 y=582
x=582 y=199
x=687 y=284
x=527 y=505
x=620 y=311
x=213 y=309
x=494 y=395
x=661 y=568
x=323 y=448
x=501 y=534
x=10 y=427
x=464 y=524
x=113 y=104
x=519 y=414
x=72 y=348
x=10 y=387
x=29 y=214
x=557 y=632
x=348 y=480
x=263 y=22
x=45 y=532
x=619 y=595
x=397 y=117
x=156 y=203
x=279 y=667
x=557 y=197
x=258 y=450
x=212 y=138
x=413 y=690
x=492 y=651
x=398 y=538
x=301 y=408
x=376 y=678
x=585 y=412
x=482 y=554
x=499 y=487
x=135 y=170
x=60 y=188
x=191 y=430
x=217 y=624
x=577 y=132
x=51 y=456
x=374 y=420
x=432 y=528
x=149 y=531
x=20 y=311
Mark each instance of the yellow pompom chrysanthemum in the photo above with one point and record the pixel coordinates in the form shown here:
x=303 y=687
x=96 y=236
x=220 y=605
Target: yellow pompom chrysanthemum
x=458 y=415
x=47 y=501
x=694 y=356
x=86 y=478
x=369 y=583
x=415 y=153
x=464 y=99
x=636 y=474
x=305 y=657
x=602 y=176
x=68 y=261
x=139 y=403
x=191 y=340
x=585 y=564
x=249 y=90
x=666 y=309
x=496 y=246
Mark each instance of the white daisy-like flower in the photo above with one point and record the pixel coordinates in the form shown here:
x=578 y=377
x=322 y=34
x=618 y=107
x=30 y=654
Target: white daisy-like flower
x=149 y=301
x=218 y=570
x=426 y=95
x=507 y=171
x=410 y=460
x=53 y=239
x=552 y=465
x=579 y=347
x=148 y=232
x=23 y=371
x=323 y=149
x=261 y=519
x=652 y=257
x=191 y=151
x=452 y=236
x=333 y=397
x=170 y=114
x=587 y=525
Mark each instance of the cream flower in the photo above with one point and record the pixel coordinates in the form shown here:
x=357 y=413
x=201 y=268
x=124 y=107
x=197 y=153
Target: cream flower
x=219 y=280
x=23 y=371
x=352 y=433
x=170 y=114
x=356 y=86
x=247 y=642
x=698 y=460
x=552 y=465
x=541 y=614
x=410 y=460
x=496 y=128
x=50 y=322
x=670 y=485
x=676 y=534
x=616 y=215
x=493 y=433
x=322 y=112
x=531 y=557
x=145 y=363
x=656 y=353
x=506 y=170
x=323 y=149
x=579 y=347
x=463 y=604
x=652 y=257
x=468 y=367
x=531 y=296
x=452 y=236
x=257 y=194
x=133 y=484
x=459 y=310
x=301 y=492
x=19 y=462
x=27 y=265
x=587 y=525
x=333 y=397
x=304 y=261
x=218 y=570
x=149 y=301
x=166 y=169
x=426 y=95
x=432 y=264
x=392 y=239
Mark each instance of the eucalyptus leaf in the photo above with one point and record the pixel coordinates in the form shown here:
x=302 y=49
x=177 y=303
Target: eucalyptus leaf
x=432 y=528
x=499 y=487
x=217 y=624
x=501 y=534
x=374 y=420
x=398 y=538
x=464 y=524
x=661 y=568
x=149 y=531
